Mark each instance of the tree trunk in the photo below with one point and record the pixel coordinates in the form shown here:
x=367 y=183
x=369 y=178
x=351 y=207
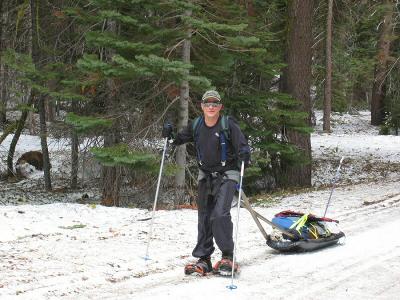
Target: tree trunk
x=111 y=175
x=297 y=83
x=183 y=115
x=43 y=143
x=250 y=8
x=328 y=81
x=74 y=154
x=50 y=109
x=3 y=95
x=42 y=112
x=24 y=114
x=3 y=71
x=378 y=88
x=14 y=141
x=31 y=46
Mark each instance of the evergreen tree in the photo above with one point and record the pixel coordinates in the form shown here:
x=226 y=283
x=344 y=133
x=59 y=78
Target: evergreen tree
x=242 y=58
x=328 y=66
x=381 y=67
x=134 y=66
x=297 y=83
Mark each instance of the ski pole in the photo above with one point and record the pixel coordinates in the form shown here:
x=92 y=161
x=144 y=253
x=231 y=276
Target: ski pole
x=232 y=286
x=146 y=257
x=333 y=184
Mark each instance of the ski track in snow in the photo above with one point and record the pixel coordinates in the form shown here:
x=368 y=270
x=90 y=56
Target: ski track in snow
x=44 y=258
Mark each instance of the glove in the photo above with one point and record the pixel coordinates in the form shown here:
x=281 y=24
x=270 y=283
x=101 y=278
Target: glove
x=167 y=130
x=244 y=156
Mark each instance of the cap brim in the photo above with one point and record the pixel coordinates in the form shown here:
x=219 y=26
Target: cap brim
x=211 y=98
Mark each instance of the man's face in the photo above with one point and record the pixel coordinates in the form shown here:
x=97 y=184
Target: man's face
x=211 y=108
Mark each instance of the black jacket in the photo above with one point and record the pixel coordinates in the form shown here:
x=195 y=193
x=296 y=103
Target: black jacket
x=208 y=144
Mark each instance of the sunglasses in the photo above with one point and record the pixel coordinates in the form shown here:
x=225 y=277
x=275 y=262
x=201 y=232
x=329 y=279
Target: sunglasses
x=211 y=104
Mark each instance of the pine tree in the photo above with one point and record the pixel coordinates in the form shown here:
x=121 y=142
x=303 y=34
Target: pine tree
x=136 y=60
x=297 y=83
x=381 y=67
x=3 y=71
x=328 y=79
x=245 y=68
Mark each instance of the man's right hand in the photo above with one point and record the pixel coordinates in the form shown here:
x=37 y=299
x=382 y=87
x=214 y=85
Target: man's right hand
x=167 y=130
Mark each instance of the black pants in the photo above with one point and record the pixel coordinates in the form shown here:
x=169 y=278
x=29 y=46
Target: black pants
x=214 y=218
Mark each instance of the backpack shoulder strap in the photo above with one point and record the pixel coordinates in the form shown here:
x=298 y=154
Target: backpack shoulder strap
x=195 y=127
x=195 y=130
x=223 y=138
x=225 y=126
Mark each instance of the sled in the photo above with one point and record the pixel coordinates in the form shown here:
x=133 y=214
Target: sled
x=283 y=239
x=304 y=245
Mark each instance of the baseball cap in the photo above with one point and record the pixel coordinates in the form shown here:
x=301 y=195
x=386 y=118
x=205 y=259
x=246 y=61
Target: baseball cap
x=211 y=94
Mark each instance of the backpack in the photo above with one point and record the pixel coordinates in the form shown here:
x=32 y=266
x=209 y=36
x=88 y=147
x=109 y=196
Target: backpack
x=307 y=226
x=224 y=136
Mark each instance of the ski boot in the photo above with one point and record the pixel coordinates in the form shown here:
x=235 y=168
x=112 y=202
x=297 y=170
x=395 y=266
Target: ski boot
x=201 y=267
x=224 y=267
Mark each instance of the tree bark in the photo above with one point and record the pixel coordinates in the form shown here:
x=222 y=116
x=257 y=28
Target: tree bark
x=328 y=80
x=3 y=95
x=74 y=154
x=42 y=112
x=3 y=71
x=111 y=176
x=378 y=88
x=14 y=141
x=183 y=114
x=250 y=8
x=43 y=143
x=297 y=83
x=33 y=53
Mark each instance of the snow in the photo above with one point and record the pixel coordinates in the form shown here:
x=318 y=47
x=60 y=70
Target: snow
x=85 y=251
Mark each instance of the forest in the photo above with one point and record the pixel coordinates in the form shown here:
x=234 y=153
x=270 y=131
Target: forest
x=109 y=73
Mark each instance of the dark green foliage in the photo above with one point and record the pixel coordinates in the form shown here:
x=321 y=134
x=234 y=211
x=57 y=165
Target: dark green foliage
x=121 y=155
x=84 y=124
x=131 y=59
x=38 y=78
x=142 y=162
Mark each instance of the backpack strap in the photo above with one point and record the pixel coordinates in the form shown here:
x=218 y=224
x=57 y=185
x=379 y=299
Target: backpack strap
x=225 y=126
x=224 y=136
x=195 y=129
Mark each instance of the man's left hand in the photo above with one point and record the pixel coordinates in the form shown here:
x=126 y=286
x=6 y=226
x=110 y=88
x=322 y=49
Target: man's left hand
x=244 y=156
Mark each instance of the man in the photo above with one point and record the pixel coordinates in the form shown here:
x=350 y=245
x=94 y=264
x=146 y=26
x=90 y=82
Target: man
x=220 y=146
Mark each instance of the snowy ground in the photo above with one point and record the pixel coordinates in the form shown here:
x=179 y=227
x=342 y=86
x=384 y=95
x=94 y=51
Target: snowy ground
x=76 y=251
